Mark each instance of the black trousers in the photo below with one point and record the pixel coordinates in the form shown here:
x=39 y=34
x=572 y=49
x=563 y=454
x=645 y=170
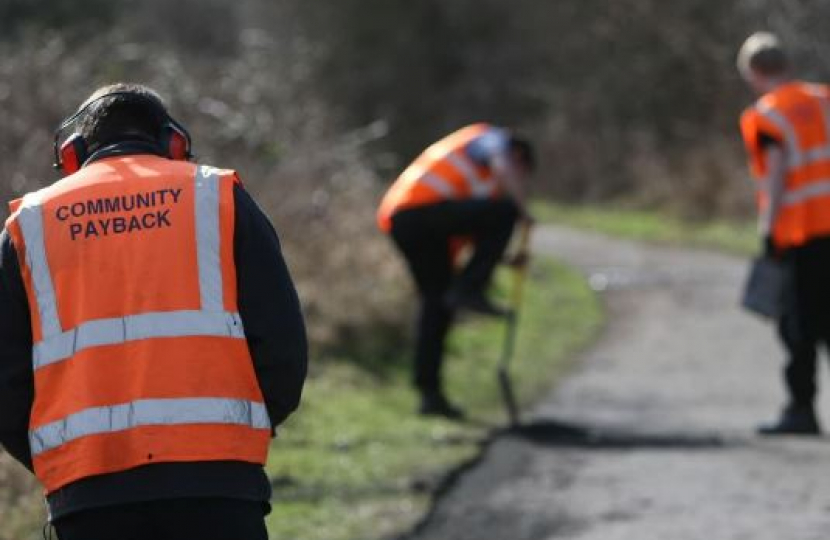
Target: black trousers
x=173 y=519
x=423 y=236
x=806 y=321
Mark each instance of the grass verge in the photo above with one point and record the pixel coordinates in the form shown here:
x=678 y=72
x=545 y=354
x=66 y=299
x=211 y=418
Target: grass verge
x=357 y=463
x=738 y=237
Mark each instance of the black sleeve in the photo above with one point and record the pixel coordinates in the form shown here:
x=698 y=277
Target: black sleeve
x=16 y=375
x=765 y=140
x=269 y=308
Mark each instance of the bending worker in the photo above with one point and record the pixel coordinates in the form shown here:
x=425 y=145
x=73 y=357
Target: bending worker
x=787 y=136
x=467 y=185
x=150 y=332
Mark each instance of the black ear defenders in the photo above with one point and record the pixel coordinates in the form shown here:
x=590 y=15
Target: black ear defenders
x=70 y=156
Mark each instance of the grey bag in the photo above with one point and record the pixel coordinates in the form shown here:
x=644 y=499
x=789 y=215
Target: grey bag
x=765 y=288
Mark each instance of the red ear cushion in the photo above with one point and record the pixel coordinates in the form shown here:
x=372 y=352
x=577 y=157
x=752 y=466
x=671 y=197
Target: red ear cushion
x=72 y=154
x=177 y=147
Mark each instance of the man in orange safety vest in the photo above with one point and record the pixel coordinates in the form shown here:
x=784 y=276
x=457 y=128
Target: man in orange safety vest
x=150 y=332
x=467 y=186
x=787 y=137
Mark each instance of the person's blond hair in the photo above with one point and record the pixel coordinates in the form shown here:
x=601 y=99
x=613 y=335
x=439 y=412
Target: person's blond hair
x=762 y=54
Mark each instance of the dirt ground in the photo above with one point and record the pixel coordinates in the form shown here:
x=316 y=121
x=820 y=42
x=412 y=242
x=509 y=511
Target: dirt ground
x=652 y=436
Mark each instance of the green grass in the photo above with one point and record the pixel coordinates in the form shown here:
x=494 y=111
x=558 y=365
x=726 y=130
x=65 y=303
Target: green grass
x=737 y=237
x=357 y=464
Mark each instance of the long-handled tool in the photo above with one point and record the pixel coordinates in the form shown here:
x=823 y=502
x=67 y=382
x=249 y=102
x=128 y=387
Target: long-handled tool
x=503 y=373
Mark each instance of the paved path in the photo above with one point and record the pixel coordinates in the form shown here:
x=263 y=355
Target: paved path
x=652 y=437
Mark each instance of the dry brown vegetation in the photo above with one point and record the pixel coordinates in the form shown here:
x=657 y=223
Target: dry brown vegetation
x=21 y=507
x=245 y=95
x=631 y=101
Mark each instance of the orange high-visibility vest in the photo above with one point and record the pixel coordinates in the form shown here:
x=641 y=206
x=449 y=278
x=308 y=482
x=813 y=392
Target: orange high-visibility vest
x=798 y=115
x=139 y=352
x=443 y=171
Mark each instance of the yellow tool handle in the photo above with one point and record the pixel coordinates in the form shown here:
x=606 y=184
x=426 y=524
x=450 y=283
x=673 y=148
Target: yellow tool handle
x=521 y=271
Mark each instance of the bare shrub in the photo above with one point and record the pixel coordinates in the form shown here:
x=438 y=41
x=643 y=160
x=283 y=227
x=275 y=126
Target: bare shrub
x=21 y=507
x=252 y=111
x=590 y=80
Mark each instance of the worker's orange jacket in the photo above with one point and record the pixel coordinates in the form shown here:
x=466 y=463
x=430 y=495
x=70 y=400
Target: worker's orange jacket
x=139 y=352
x=443 y=171
x=797 y=115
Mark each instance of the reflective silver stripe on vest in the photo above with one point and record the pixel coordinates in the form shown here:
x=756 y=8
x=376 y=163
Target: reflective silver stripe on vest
x=479 y=187
x=208 y=238
x=30 y=219
x=148 y=412
x=822 y=153
x=440 y=185
x=820 y=188
x=796 y=157
x=210 y=320
x=133 y=327
x=814 y=155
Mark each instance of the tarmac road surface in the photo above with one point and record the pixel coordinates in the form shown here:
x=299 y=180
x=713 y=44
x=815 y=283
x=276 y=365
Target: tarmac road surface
x=652 y=436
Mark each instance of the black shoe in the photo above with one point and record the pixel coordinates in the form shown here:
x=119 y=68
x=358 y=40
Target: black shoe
x=793 y=421
x=437 y=405
x=475 y=302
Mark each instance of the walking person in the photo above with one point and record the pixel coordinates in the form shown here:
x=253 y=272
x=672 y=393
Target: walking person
x=787 y=137
x=468 y=185
x=150 y=335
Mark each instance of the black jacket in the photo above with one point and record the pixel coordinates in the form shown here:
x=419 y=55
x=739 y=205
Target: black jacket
x=275 y=331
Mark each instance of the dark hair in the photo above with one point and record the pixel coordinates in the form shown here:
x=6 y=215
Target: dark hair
x=523 y=150
x=769 y=62
x=762 y=54
x=133 y=112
